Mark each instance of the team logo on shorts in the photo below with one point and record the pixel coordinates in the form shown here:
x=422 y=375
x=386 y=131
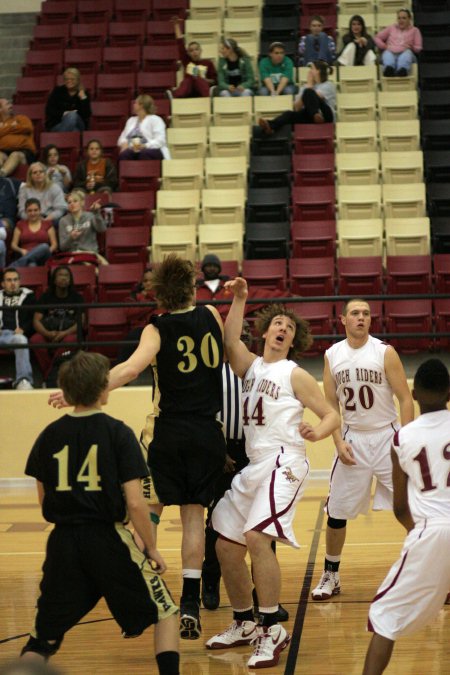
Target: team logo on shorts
x=290 y=476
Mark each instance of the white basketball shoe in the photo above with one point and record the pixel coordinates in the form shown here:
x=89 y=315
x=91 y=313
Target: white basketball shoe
x=269 y=644
x=328 y=586
x=239 y=633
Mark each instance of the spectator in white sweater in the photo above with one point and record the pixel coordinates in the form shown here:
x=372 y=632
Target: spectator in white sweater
x=144 y=135
x=78 y=229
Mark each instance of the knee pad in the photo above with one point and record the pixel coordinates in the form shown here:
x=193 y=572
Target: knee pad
x=336 y=523
x=45 y=648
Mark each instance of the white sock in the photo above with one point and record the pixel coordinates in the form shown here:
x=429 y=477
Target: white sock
x=191 y=574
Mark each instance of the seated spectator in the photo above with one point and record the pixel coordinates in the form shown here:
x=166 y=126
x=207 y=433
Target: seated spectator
x=9 y=189
x=144 y=135
x=211 y=285
x=314 y=104
x=78 y=229
x=34 y=239
x=68 y=107
x=16 y=325
x=138 y=316
x=316 y=45
x=235 y=75
x=199 y=74
x=58 y=173
x=276 y=71
x=58 y=324
x=16 y=139
x=359 y=46
x=400 y=43
x=50 y=195
x=95 y=173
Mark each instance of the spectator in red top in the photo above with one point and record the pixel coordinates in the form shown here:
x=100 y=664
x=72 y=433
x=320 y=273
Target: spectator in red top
x=199 y=74
x=34 y=238
x=138 y=316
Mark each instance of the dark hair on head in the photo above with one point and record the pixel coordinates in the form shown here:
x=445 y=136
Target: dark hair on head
x=194 y=42
x=302 y=339
x=347 y=302
x=9 y=269
x=433 y=376
x=28 y=667
x=276 y=45
x=94 y=140
x=324 y=69
x=359 y=19
x=232 y=44
x=318 y=18
x=32 y=200
x=84 y=378
x=173 y=283
x=406 y=10
x=51 y=283
x=46 y=151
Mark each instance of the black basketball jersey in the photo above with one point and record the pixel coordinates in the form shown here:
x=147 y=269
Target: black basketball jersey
x=82 y=460
x=189 y=362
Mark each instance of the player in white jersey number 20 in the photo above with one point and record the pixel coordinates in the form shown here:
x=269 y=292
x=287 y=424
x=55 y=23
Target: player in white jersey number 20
x=416 y=586
x=260 y=505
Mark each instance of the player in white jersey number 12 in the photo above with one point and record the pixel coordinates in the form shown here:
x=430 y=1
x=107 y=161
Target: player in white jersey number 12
x=260 y=505
x=416 y=586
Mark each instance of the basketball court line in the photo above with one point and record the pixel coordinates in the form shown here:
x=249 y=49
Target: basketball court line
x=304 y=596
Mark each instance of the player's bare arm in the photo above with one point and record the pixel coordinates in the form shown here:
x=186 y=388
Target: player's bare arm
x=138 y=512
x=308 y=393
x=400 y=482
x=239 y=356
x=40 y=491
x=396 y=377
x=217 y=316
x=344 y=450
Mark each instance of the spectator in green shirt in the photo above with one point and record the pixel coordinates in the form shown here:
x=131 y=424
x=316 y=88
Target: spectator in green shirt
x=276 y=72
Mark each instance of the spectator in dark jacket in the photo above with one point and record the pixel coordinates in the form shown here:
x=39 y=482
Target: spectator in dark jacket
x=68 y=107
x=16 y=325
x=359 y=46
x=9 y=190
x=199 y=74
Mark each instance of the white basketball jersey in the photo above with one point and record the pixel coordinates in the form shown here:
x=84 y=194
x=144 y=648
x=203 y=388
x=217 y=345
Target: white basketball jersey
x=362 y=388
x=423 y=449
x=271 y=411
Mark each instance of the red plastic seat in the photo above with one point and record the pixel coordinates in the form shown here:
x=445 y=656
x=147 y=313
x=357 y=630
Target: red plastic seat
x=108 y=139
x=135 y=209
x=320 y=316
x=126 y=33
x=133 y=10
x=95 y=12
x=376 y=313
x=50 y=37
x=121 y=59
x=41 y=62
x=160 y=32
x=312 y=276
x=115 y=282
x=109 y=115
x=313 y=239
x=312 y=139
x=160 y=57
x=68 y=143
x=33 y=89
x=360 y=275
x=321 y=7
x=85 y=281
x=156 y=83
x=408 y=316
x=116 y=86
x=136 y=175
x=105 y=325
x=442 y=313
x=35 y=278
x=163 y=108
x=166 y=9
x=36 y=113
x=58 y=12
x=85 y=35
x=441 y=263
x=267 y=273
x=313 y=169
x=86 y=59
x=230 y=268
x=314 y=203
x=408 y=274
x=127 y=245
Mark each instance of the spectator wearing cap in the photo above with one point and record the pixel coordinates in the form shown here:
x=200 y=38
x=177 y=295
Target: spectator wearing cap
x=276 y=72
x=210 y=286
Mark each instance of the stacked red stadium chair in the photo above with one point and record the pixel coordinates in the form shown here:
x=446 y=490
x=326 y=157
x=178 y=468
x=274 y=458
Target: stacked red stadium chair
x=86 y=35
x=107 y=324
x=360 y=276
x=267 y=273
x=313 y=239
x=312 y=276
x=127 y=245
x=405 y=316
x=320 y=316
x=85 y=281
x=115 y=281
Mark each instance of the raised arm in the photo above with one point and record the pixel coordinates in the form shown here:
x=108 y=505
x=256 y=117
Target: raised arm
x=308 y=393
x=239 y=356
x=395 y=374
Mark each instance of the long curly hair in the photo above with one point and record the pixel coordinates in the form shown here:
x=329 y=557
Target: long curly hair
x=302 y=338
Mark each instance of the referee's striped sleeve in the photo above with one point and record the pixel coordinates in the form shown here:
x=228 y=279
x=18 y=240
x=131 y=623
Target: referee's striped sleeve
x=231 y=413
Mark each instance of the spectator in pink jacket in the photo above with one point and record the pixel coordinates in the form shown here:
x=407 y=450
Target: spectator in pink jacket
x=400 y=43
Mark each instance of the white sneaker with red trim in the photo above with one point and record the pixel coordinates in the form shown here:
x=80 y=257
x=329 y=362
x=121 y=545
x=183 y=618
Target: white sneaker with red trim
x=328 y=586
x=239 y=633
x=269 y=644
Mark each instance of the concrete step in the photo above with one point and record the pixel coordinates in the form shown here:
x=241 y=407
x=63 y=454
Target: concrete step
x=15 y=19
x=13 y=43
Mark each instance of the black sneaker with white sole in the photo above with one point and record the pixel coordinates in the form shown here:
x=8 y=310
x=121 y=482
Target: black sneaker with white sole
x=190 y=628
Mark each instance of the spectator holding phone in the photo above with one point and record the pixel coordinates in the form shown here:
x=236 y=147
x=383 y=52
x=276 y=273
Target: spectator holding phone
x=68 y=107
